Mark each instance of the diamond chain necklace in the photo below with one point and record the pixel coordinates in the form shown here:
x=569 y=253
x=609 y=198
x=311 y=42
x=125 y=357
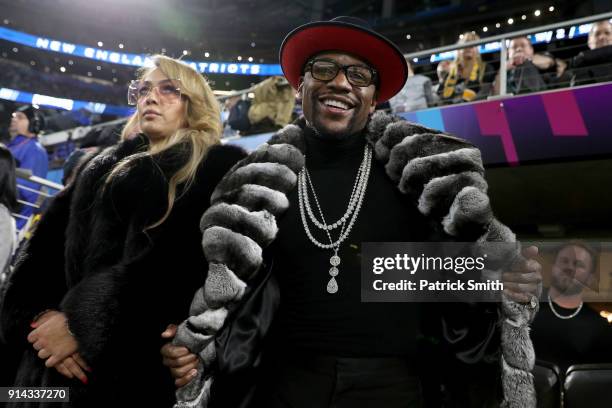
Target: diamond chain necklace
x=354 y=206
x=560 y=316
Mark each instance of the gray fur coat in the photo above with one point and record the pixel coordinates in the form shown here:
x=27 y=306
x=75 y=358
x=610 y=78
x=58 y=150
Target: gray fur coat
x=441 y=173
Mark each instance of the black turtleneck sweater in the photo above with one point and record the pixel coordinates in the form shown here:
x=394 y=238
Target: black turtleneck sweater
x=339 y=324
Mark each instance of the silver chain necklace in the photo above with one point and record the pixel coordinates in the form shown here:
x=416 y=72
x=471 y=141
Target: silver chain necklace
x=352 y=201
x=560 y=316
x=355 y=203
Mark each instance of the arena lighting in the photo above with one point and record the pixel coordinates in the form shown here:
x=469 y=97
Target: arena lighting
x=408 y=36
x=15 y=49
x=185 y=52
x=253 y=45
x=485 y=29
x=63 y=103
x=250 y=59
x=510 y=21
x=134 y=60
x=70 y=62
x=218 y=92
x=537 y=13
x=63 y=69
x=415 y=59
x=100 y=44
x=207 y=54
x=523 y=17
x=98 y=68
x=606 y=315
x=551 y=8
x=120 y=46
x=497 y=25
x=239 y=58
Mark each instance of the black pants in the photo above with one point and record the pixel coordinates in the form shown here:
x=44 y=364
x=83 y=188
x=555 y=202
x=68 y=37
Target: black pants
x=333 y=382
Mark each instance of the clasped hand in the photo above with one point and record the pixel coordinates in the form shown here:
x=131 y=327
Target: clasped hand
x=56 y=345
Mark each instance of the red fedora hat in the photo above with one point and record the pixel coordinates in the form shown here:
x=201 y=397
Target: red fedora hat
x=350 y=35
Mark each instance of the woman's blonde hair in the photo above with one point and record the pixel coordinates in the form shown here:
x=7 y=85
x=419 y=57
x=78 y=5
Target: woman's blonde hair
x=467 y=37
x=202 y=129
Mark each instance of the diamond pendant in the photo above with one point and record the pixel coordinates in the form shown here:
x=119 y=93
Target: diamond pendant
x=332 y=286
x=335 y=260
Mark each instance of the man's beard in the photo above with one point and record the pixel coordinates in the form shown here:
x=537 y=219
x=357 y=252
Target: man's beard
x=567 y=286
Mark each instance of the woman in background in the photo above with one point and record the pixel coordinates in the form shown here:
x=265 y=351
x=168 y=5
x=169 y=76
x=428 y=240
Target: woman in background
x=132 y=250
x=469 y=78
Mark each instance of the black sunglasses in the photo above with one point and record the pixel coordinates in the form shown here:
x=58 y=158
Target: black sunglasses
x=326 y=70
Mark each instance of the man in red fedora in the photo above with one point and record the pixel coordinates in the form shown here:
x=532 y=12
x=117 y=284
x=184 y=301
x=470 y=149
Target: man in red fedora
x=279 y=321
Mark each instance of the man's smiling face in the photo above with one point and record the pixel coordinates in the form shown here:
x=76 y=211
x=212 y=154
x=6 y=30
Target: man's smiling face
x=336 y=107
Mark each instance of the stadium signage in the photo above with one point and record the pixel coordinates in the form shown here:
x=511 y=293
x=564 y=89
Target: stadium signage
x=63 y=103
x=136 y=60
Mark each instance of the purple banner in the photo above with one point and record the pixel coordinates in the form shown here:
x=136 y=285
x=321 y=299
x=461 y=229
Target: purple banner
x=564 y=124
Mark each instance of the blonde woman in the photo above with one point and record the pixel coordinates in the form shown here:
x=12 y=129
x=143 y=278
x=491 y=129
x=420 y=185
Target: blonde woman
x=469 y=78
x=92 y=307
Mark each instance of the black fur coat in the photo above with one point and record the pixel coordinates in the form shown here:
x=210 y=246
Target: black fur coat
x=118 y=286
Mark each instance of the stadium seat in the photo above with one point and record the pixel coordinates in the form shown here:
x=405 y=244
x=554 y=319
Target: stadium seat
x=588 y=385
x=547 y=384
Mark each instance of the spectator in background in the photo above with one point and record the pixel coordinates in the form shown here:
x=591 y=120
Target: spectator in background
x=442 y=71
x=531 y=72
x=8 y=204
x=565 y=332
x=595 y=64
x=600 y=34
x=29 y=154
x=469 y=78
x=8 y=244
x=416 y=93
x=272 y=105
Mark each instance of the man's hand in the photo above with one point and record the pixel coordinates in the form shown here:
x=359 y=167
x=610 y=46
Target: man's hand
x=524 y=281
x=518 y=59
x=73 y=366
x=181 y=362
x=52 y=339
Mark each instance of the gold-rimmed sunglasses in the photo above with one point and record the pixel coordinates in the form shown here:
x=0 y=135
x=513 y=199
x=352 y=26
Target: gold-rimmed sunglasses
x=168 y=90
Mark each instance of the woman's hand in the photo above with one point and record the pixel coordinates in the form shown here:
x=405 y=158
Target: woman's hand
x=182 y=363
x=73 y=366
x=52 y=339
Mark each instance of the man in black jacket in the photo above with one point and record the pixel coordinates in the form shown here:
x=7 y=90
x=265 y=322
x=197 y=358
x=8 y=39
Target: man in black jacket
x=298 y=333
x=594 y=64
